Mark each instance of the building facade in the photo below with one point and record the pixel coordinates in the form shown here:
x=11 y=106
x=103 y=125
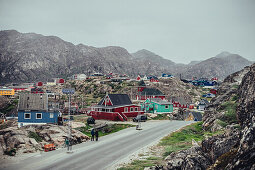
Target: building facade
x=157 y=105
x=115 y=107
x=35 y=109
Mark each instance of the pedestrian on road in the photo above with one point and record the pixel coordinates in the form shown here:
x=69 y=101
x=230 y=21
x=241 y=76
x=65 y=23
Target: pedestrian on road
x=96 y=133
x=66 y=142
x=92 y=134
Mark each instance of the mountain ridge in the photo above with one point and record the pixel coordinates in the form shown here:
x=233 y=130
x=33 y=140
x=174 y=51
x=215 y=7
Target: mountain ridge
x=28 y=57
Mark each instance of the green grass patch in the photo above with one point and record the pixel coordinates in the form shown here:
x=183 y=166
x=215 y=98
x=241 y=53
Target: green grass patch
x=35 y=136
x=110 y=128
x=141 y=164
x=230 y=112
x=182 y=139
x=235 y=86
x=222 y=123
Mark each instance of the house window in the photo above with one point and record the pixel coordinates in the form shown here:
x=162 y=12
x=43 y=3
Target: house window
x=136 y=109
x=156 y=106
x=51 y=115
x=38 y=115
x=27 y=116
x=166 y=107
x=126 y=109
x=131 y=109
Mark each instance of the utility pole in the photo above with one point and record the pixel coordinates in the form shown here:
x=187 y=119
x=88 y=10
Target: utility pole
x=69 y=147
x=69 y=92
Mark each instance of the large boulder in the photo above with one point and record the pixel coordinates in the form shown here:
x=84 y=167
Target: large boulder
x=193 y=158
x=32 y=138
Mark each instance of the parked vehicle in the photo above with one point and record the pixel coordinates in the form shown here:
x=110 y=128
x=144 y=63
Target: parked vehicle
x=91 y=120
x=141 y=118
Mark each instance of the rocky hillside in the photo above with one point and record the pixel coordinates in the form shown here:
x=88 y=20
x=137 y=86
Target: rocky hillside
x=33 y=57
x=29 y=57
x=153 y=64
x=235 y=148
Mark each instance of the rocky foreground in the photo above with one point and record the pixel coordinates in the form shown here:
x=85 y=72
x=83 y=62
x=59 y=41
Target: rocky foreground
x=235 y=149
x=29 y=139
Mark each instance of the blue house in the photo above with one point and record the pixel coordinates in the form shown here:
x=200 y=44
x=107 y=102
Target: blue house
x=35 y=109
x=166 y=75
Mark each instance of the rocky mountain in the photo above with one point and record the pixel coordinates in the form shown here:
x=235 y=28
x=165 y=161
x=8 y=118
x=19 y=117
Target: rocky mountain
x=29 y=57
x=152 y=64
x=219 y=66
x=233 y=112
x=33 y=57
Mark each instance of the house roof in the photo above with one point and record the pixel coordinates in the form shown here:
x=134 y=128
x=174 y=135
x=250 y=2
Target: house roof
x=160 y=101
x=33 y=102
x=117 y=99
x=151 y=91
x=181 y=100
x=197 y=115
x=204 y=102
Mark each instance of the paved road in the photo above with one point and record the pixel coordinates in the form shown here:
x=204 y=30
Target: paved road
x=104 y=153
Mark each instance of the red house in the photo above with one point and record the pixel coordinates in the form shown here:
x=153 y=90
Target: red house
x=154 y=80
x=115 y=107
x=138 y=78
x=149 y=93
x=179 y=102
x=213 y=91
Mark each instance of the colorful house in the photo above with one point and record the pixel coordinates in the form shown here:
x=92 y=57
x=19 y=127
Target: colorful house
x=157 y=105
x=179 y=102
x=149 y=93
x=35 y=109
x=115 y=107
x=213 y=91
x=7 y=92
x=166 y=76
x=202 y=104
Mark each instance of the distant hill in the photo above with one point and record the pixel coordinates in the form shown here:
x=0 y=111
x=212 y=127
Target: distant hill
x=219 y=66
x=30 y=57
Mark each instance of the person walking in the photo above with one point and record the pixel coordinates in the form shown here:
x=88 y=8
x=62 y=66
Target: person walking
x=92 y=134
x=96 y=133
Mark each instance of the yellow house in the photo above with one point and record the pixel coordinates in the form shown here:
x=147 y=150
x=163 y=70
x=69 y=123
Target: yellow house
x=7 y=92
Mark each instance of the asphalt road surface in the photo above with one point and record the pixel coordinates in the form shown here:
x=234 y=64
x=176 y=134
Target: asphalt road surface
x=102 y=154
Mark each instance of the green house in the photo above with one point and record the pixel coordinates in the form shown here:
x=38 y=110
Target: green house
x=157 y=105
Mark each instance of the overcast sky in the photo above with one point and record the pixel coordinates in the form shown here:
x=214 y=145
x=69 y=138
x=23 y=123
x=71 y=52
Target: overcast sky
x=179 y=30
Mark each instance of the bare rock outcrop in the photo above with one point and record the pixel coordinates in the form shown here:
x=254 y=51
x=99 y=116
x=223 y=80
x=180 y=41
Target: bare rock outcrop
x=202 y=157
x=245 y=156
x=235 y=149
x=33 y=138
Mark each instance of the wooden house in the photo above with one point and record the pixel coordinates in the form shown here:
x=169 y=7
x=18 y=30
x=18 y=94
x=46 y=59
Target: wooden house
x=157 y=105
x=202 y=104
x=35 y=109
x=149 y=93
x=115 y=107
x=179 y=102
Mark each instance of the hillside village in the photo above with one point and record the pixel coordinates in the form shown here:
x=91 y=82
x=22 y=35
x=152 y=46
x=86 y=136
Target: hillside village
x=103 y=97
